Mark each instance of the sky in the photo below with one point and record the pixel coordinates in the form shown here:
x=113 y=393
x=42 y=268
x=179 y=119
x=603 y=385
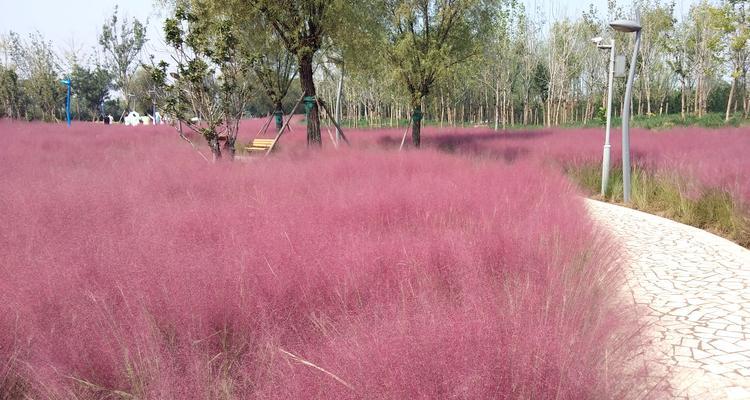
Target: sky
x=75 y=24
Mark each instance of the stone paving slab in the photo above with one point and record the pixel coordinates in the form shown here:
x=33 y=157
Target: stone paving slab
x=695 y=289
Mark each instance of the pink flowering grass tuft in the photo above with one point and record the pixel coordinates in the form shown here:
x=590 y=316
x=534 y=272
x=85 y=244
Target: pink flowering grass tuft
x=133 y=268
x=710 y=158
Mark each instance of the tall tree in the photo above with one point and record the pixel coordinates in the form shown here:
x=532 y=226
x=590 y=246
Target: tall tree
x=659 y=21
x=273 y=66
x=210 y=89
x=424 y=39
x=303 y=25
x=38 y=67
x=704 y=49
x=91 y=88
x=731 y=19
x=10 y=93
x=502 y=53
x=122 y=42
x=679 y=62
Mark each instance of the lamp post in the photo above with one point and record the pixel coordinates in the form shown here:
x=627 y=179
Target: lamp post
x=627 y=26
x=67 y=100
x=607 y=146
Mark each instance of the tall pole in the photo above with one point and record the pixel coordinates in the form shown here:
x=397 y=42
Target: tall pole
x=67 y=104
x=607 y=146
x=67 y=100
x=626 y=121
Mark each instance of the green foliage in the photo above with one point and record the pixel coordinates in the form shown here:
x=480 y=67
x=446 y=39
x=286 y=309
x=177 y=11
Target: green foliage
x=273 y=66
x=10 y=94
x=303 y=27
x=424 y=39
x=122 y=42
x=210 y=89
x=601 y=115
x=114 y=107
x=666 y=121
x=37 y=67
x=145 y=90
x=540 y=81
x=472 y=61
x=710 y=120
x=90 y=88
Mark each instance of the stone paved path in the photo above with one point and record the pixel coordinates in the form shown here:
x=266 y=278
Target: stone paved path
x=695 y=288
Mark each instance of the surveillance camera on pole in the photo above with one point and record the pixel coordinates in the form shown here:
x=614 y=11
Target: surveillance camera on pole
x=627 y=26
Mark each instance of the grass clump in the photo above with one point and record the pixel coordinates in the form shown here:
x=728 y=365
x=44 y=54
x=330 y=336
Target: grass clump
x=665 y=121
x=711 y=209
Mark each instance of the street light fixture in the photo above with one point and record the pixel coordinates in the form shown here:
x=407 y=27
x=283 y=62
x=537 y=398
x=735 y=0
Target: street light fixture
x=607 y=146
x=627 y=26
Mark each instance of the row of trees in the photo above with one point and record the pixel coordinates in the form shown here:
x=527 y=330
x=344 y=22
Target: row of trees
x=223 y=50
x=31 y=70
x=454 y=62
x=531 y=71
x=479 y=61
x=29 y=82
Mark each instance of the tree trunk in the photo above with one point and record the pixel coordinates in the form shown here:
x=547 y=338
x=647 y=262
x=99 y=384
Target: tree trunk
x=497 y=104
x=416 y=129
x=587 y=111
x=699 y=100
x=682 y=100
x=505 y=110
x=279 y=115
x=367 y=114
x=745 y=98
x=647 y=84
x=339 y=94
x=729 y=101
x=639 y=110
x=308 y=88
x=442 y=107
x=485 y=116
x=229 y=146
x=526 y=110
x=213 y=143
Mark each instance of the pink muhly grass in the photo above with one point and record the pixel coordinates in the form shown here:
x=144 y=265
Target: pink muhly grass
x=132 y=267
x=711 y=158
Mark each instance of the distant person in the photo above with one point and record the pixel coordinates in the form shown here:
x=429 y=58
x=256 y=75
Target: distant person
x=157 y=118
x=105 y=119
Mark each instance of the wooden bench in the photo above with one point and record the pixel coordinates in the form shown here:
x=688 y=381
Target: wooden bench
x=260 y=145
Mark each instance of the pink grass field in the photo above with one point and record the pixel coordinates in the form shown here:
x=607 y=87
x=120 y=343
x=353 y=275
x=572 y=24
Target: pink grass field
x=707 y=158
x=132 y=268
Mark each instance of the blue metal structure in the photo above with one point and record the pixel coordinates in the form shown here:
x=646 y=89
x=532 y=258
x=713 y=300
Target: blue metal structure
x=67 y=99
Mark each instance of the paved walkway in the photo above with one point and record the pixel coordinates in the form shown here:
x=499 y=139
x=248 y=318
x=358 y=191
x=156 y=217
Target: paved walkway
x=695 y=288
